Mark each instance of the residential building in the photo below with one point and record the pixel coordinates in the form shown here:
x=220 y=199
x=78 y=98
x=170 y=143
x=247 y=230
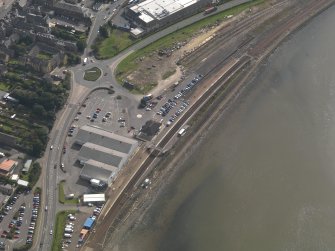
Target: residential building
x=7 y=166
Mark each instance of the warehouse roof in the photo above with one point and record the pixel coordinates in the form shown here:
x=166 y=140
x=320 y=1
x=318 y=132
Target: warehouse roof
x=101 y=154
x=97 y=170
x=105 y=138
x=99 y=197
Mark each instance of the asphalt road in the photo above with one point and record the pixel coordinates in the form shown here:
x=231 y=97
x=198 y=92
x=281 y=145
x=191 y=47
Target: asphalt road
x=50 y=190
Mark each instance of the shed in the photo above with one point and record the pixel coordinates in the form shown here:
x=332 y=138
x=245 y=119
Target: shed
x=22 y=183
x=14 y=177
x=89 y=223
x=27 y=165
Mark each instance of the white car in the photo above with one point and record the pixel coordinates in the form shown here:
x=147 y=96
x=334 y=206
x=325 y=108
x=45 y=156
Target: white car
x=51 y=147
x=51 y=232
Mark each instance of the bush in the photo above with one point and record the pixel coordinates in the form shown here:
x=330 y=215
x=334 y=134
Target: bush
x=34 y=174
x=24 y=247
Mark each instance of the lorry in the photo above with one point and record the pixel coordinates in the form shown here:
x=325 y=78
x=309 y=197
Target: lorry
x=147 y=97
x=95 y=182
x=85 y=61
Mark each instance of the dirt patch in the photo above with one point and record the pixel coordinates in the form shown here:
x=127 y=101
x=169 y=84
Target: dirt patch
x=152 y=69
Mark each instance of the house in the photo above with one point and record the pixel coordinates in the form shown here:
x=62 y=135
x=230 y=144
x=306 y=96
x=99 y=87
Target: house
x=7 y=166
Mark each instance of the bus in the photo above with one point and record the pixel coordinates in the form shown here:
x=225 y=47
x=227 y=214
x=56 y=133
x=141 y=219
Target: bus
x=181 y=132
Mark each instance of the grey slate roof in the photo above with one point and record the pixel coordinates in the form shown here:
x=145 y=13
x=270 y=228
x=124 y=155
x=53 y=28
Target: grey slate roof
x=105 y=138
x=102 y=154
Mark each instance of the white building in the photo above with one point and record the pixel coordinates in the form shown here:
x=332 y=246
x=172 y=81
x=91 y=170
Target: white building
x=94 y=198
x=153 y=14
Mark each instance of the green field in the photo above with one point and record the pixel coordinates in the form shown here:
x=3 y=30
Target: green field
x=116 y=42
x=129 y=64
x=92 y=74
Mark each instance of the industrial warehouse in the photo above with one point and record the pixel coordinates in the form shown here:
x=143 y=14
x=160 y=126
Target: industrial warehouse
x=154 y=14
x=102 y=153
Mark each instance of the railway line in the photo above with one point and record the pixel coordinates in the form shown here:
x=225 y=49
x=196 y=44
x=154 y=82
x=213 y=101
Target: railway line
x=225 y=35
x=268 y=38
x=218 y=78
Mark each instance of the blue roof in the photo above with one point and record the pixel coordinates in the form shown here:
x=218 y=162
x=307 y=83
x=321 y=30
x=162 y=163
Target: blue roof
x=89 y=223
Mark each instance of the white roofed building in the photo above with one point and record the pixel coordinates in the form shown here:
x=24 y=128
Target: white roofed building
x=153 y=14
x=94 y=198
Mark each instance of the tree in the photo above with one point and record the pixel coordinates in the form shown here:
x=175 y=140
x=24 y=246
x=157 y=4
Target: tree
x=37 y=148
x=81 y=44
x=39 y=110
x=104 y=31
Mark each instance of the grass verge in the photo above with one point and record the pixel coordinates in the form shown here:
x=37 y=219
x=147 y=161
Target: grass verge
x=130 y=63
x=92 y=74
x=59 y=229
x=61 y=195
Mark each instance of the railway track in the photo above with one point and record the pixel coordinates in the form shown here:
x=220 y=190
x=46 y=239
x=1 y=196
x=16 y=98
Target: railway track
x=228 y=32
x=267 y=39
